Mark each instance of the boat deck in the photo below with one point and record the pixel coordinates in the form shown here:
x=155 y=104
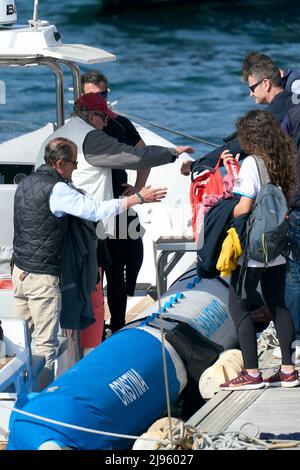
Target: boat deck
x=268 y=410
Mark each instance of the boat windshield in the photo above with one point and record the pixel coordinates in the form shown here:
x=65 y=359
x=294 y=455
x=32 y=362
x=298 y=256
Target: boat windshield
x=28 y=100
x=27 y=116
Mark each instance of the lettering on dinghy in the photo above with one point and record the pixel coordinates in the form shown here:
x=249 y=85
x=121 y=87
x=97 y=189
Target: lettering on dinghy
x=11 y=9
x=209 y=320
x=129 y=387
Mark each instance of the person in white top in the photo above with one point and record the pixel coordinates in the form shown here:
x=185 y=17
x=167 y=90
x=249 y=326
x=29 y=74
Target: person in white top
x=260 y=134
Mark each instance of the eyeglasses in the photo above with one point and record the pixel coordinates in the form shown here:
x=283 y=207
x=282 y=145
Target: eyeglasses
x=252 y=87
x=104 y=117
x=104 y=94
x=71 y=161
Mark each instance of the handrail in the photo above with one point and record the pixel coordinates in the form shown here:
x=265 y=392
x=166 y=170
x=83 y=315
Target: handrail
x=187 y=136
x=52 y=64
x=76 y=77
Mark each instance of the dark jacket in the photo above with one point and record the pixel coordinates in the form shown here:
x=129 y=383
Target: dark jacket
x=79 y=274
x=279 y=107
x=38 y=234
x=216 y=223
x=291 y=125
x=289 y=77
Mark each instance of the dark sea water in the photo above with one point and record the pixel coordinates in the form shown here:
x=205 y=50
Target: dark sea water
x=177 y=66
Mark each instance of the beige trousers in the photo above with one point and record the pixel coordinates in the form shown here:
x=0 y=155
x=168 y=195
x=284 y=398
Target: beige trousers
x=37 y=299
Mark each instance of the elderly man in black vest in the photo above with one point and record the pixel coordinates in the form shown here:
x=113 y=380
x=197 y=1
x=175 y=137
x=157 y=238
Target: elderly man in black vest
x=43 y=201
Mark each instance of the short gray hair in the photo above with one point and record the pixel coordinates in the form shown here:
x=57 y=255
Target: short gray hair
x=57 y=148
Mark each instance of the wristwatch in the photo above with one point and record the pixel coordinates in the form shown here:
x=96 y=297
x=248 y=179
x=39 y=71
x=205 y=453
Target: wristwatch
x=142 y=200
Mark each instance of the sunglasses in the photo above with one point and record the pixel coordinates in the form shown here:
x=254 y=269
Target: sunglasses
x=71 y=161
x=103 y=116
x=104 y=94
x=252 y=87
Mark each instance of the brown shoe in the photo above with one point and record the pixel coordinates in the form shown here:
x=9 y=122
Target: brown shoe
x=279 y=379
x=244 y=382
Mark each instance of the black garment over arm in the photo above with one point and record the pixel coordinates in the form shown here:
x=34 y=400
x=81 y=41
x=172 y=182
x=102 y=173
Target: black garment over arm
x=124 y=131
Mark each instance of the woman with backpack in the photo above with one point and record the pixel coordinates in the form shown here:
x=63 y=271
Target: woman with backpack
x=260 y=135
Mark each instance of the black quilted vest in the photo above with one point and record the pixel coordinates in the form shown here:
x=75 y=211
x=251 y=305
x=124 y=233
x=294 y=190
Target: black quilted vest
x=38 y=234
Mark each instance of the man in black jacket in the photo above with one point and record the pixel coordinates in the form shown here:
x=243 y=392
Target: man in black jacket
x=290 y=78
x=265 y=86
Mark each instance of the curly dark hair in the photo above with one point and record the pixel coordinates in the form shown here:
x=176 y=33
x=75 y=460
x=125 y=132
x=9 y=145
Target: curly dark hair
x=260 y=134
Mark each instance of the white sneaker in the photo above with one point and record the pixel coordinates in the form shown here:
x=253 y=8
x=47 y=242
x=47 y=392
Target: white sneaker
x=277 y=353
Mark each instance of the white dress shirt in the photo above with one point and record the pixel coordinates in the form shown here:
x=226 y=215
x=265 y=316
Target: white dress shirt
x=65 y=199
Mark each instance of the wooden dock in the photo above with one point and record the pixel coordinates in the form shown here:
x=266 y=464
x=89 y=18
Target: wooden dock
x=268 y=410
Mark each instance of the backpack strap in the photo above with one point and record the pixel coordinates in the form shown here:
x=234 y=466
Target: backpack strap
x=264 y=179
x=263 y=174
x=240 y=287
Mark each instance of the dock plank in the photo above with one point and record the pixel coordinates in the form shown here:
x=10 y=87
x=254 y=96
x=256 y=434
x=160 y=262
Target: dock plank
x=271 y=410
x=276 y=411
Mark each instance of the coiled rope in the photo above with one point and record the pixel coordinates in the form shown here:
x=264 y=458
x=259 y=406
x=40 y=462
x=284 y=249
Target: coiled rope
x=268 y=338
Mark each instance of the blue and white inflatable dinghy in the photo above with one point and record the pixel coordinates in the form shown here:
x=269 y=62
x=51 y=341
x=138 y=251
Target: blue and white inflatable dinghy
x=118 y=388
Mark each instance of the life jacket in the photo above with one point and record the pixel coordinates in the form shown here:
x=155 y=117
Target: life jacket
x=206 y=189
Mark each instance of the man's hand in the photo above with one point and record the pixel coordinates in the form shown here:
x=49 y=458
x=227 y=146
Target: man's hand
x=186 y=167
x=146 y=195
x=153 y=194
x=184 y=148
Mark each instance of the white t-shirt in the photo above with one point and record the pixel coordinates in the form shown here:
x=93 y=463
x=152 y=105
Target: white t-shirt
x=248 y=185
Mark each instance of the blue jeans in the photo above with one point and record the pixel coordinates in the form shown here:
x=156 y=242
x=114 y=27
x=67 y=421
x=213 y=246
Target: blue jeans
x=292 y=291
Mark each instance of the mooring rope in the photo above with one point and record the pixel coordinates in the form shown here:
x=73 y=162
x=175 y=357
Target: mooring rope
x=166 y=380
x=74 y=426
x=183 y=436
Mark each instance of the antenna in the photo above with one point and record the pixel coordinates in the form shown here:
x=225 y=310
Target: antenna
x=35 y=22
x=35 y=11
